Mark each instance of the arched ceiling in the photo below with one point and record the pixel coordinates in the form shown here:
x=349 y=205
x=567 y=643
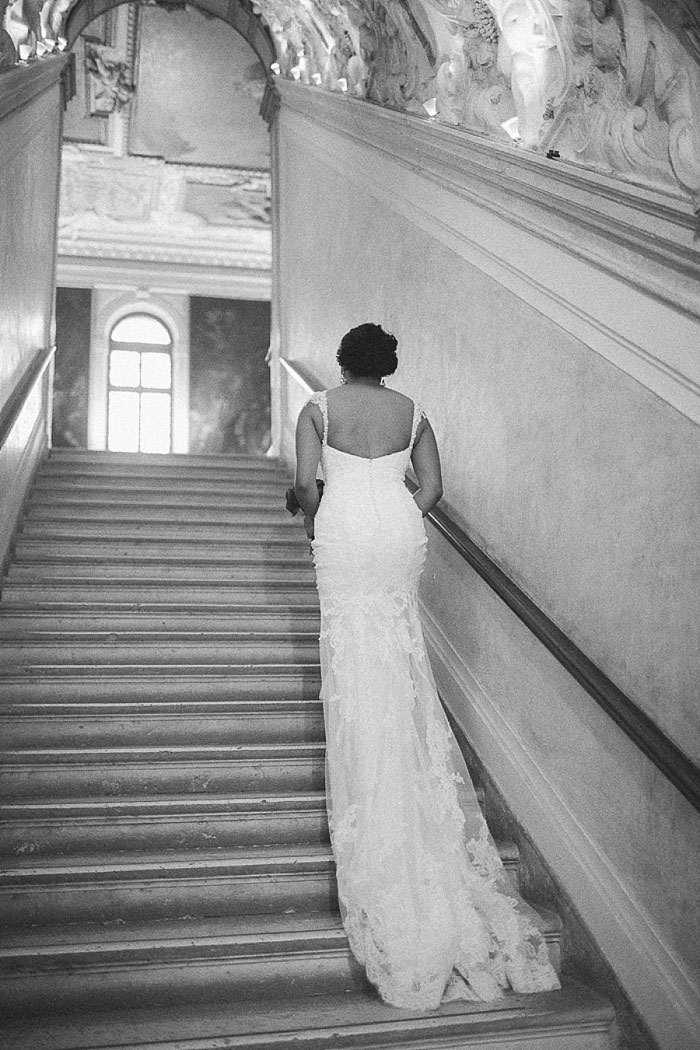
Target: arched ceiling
x=610 y=84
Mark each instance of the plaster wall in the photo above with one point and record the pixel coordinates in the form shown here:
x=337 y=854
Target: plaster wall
x=583 y=485
x=30 y=128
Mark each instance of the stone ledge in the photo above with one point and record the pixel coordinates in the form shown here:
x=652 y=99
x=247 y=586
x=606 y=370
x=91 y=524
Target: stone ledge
x=20 y=84
x=629 y=230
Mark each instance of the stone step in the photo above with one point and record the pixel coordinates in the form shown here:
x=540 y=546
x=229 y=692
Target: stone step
x=263 y=491
x=100 y=724
x=34 y=828
x=152 y=770
x=86 y=553
x=168 y=509
x=239 y=486
x=156 y=963
x=102 y=459
x=115 y=570
x=171 y=881
x=228 y=482
x=162 y=532
x=17 y=622
x=131 y=593
x=239 y=683
x=100 y=648
x=571 y=1019
x=126 y=887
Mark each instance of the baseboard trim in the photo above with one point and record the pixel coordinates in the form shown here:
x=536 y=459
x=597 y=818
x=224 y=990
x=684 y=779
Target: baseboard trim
x=661 y=988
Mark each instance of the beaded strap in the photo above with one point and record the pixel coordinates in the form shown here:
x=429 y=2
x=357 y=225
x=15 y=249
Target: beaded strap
x=418 y=415
x=319 y=399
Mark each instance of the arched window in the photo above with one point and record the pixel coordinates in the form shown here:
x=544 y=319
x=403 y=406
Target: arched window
x=140 y=386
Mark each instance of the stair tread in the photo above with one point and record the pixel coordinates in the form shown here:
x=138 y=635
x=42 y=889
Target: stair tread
x=182 y=752
x=49 y=608
x=165 y=860
x=161 y=805
x=230 y=669
x=146 y=710
x=312 y=1022
x=193 y=862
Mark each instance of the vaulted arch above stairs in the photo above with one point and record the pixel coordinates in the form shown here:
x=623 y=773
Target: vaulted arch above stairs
x=613 y=86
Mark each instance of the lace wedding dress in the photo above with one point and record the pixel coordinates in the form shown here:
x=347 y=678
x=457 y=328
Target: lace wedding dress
x=425 y=901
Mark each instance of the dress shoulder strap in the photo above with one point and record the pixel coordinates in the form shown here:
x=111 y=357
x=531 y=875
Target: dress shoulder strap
x=319 y=399
x=418 y=415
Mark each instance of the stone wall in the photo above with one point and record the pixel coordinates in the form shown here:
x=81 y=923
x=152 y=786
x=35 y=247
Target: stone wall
x=568 y=454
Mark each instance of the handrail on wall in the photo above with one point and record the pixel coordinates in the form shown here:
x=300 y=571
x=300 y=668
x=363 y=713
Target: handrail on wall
x=680 y=770
x=9 y=413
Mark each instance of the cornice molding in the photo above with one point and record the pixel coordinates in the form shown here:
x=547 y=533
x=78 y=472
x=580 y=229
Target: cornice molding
x=249 y=257
x=555 y=200
x=182 y=278
x=618 y=268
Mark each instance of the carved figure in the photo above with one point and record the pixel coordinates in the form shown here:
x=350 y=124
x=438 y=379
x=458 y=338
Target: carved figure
x=532 y=56
x=488 y=98
x=22 y=24
x=401 y=74
x=661 y=73
x=633 y=101
x=111 y=87
x=52 y=16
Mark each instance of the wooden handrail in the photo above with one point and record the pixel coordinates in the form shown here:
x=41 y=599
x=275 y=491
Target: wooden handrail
x=9 y=413
x=680 y=770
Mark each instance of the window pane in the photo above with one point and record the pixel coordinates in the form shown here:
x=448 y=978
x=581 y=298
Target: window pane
x=124 y=368
x=123 y=433
x=155 y=370
x=155 y=422
x=141 y=328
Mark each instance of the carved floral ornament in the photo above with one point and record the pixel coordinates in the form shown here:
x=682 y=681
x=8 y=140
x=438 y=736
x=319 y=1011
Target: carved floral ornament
x=610 y=84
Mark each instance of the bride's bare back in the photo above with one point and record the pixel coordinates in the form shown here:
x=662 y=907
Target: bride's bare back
x=368 y=421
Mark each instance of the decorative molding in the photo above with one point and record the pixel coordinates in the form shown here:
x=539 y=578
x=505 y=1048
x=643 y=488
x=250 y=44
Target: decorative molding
x=612 y=85
x=142 y=209
x=663 y=989
x=187 y=278
x=619 y=267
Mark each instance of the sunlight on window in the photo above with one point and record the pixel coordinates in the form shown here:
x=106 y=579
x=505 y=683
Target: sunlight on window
x=155 y=370
x=155 y=422
x=123 y=421
x=124 y=368
x=141 y=328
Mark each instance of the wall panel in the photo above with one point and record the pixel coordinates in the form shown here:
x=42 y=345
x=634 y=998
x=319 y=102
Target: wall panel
x=30 y=140
x=576 y=475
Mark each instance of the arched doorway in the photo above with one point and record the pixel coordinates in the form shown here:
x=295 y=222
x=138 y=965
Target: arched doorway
x=166 y=200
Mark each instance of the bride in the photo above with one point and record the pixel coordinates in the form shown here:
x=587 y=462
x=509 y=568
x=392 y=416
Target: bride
x=426 y=904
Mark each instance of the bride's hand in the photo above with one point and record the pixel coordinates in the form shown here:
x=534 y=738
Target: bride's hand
x=309 y=526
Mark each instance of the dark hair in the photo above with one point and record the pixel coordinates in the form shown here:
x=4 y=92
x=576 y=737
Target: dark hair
x=368 y=351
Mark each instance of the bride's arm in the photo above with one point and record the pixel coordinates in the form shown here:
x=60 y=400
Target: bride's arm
x=308 y=456
x=426 y=463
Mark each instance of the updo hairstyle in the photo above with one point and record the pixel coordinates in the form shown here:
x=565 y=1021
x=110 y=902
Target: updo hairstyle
x=368 y=351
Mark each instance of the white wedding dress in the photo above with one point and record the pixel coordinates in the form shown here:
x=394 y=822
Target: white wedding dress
x=425 y=901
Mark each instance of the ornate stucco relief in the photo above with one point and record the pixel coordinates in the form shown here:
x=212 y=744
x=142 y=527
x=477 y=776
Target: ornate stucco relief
x=143 y=208
x=609 y=84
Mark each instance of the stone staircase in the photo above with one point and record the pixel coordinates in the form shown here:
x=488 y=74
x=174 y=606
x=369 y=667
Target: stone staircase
x=167 y=878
